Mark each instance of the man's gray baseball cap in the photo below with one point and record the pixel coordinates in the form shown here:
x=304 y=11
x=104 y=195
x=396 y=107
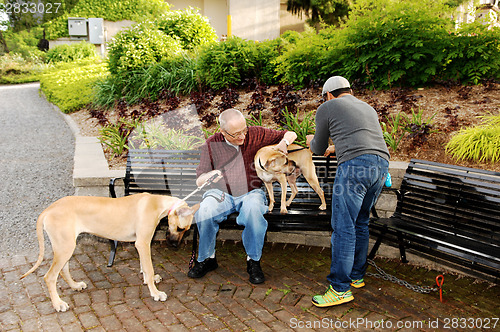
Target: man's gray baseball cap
x=334 y=83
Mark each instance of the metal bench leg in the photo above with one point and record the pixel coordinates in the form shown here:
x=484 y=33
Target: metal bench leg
x=375 y=247
x=195 y=246
x=114 y=245
x=402 y=248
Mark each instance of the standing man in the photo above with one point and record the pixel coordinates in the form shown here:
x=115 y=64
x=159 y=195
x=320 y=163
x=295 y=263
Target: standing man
x=363 y=164
x=230 y=155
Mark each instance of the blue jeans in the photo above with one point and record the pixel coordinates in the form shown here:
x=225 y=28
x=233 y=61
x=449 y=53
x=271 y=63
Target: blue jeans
x=217 y=205
x=358 y=183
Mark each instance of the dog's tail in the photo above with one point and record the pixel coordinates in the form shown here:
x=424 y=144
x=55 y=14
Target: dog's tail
x=41 y=244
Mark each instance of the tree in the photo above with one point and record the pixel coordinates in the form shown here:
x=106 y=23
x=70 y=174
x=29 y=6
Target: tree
x=3 y=23
x=331 y=12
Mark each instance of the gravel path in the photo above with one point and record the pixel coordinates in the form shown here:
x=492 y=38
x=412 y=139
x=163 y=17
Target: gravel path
x=36 y=164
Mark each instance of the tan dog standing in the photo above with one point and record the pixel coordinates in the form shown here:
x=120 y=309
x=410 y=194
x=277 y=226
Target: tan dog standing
x=129 y=219
x=273 y=165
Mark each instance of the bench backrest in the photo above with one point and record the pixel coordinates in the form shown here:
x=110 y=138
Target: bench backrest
x=173 y=173
x=463 y=201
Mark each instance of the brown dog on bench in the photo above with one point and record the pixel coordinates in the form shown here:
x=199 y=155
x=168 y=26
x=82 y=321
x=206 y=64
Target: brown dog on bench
x=273 y=165
x=128 y=219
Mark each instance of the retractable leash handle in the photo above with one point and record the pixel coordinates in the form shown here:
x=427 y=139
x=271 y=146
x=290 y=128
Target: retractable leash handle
x=207 y=182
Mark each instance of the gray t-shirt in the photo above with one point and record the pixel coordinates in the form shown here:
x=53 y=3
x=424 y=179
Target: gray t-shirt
x=353 y=127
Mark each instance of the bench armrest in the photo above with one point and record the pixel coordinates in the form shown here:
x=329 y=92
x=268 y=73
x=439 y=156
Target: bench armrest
x=112 y=182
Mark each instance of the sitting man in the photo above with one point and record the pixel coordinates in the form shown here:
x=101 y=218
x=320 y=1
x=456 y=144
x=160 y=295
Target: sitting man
x=230 y=154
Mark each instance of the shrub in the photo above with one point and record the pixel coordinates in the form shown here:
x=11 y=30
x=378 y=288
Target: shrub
x=302 y=128
x=478 y=143
x=394 y=43
x=472 y=54
x=226 y=64
x=154 y=134
x=302 y=62
x=267 y=53
x=175 y=74
x=15 y=69
x=139 y=46
x=25 y=43
x=71 y=52
x=188 y=26
x=69 y=85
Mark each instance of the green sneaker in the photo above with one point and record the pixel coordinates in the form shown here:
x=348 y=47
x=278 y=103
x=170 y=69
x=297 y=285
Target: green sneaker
x=358 y=283
x=332 y=297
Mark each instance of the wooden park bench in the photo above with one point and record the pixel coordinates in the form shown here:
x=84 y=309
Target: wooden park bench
x=448 y=212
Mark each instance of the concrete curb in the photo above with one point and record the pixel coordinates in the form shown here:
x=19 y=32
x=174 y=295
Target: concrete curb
x=91 y=173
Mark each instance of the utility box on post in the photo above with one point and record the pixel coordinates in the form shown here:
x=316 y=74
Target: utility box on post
x=96 y=30
x=77 y=26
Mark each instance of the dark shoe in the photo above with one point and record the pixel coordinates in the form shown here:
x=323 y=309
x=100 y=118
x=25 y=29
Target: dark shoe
x=200 y=269
x=255 y=272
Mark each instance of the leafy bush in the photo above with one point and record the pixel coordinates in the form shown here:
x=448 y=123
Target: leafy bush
x=389 y=43
x=139 y=46
x=154 y=135
x=301 y=128
x=175 y=74
x=473 y=53
x=111 y=10
x=136 y=134
x=226 y=64
x=69 y=85
x=25 y=43
x=479 y=143
x=393 y=43
x=416 y=129
x=71 y=52
x=302 y=62
x=188 y=26
x=267 y=53
x=15 y=69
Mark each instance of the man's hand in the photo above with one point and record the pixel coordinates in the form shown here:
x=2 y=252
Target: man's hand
x=309 y=138
x=205 y=176
x=329 y=150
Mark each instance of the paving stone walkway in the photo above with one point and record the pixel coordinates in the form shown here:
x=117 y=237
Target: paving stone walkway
x=224 y=300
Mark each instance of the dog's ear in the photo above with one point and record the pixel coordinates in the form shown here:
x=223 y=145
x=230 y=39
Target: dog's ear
x=187 y=211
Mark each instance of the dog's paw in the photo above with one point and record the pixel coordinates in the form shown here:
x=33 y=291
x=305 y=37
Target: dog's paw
x=60 y=306
x=161 y=296
x=271 y=207
x=157 y=278
x=283 y=211
x=322 y=207
x=80 y=285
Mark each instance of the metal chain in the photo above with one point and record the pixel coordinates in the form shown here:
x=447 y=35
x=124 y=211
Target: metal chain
x=385 y=276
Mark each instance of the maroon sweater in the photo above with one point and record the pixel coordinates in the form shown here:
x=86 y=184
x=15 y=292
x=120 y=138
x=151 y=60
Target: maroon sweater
x=240 y=176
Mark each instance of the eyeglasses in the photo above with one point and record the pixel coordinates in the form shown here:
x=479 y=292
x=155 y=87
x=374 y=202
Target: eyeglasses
x=238 y=134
